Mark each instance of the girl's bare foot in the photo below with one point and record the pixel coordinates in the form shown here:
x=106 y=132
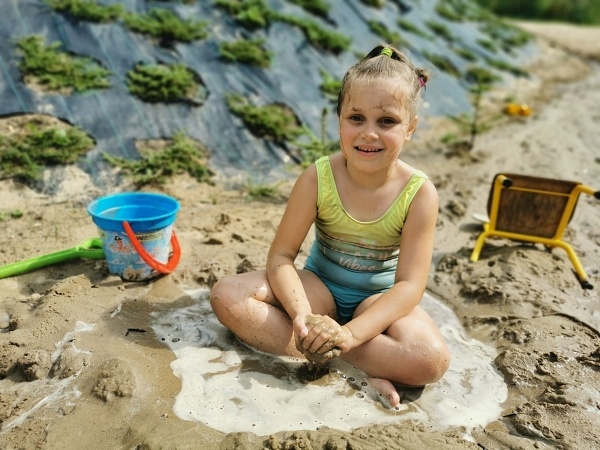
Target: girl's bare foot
x=386 y=390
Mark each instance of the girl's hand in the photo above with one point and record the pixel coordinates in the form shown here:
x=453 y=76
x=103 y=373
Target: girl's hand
x=325 y=335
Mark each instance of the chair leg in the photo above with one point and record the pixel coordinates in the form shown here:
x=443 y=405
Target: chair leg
x=583 y=280
x=478 y=246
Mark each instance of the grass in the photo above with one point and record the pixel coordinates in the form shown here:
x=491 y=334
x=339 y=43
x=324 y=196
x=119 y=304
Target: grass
x=23 y=157
x=273 y=122
x=181 y=155
x=163 y=83
x=57 y=70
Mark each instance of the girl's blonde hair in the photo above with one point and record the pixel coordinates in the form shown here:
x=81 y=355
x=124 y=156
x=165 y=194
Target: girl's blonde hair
x=388 y=63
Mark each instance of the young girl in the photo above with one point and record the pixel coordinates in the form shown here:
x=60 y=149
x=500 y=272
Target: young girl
x=359 y=292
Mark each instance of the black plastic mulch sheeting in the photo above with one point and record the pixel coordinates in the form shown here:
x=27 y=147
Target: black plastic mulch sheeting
x=115 y=119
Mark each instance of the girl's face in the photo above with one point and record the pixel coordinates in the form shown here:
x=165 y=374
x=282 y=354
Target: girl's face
x=374 y=125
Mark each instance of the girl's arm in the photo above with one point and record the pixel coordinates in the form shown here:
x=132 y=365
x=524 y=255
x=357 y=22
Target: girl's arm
x=411 y=274
x=299 y=215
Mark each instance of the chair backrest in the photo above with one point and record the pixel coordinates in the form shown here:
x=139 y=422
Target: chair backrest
x=534 y=206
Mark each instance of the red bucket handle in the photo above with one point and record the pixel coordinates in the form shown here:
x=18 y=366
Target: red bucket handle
x=148 y=259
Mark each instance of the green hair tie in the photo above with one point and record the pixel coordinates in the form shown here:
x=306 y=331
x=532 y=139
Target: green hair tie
x=387 y=51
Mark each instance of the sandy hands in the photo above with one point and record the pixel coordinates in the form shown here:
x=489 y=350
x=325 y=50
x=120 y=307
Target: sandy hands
x=321 y=338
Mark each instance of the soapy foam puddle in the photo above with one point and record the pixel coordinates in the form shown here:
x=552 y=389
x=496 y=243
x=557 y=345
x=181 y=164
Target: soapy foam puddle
x=231 y=388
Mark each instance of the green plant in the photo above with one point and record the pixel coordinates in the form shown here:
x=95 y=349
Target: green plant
x=87 y=10
x=58 y=70
x=465 y=54
x=274 y=122
x=330 y=86
x=507 y=67
x=14 y=214
x=440 y=29
x=412 y=28
x=315 y=148
x=166 y=26
x=373 y=3
x=318 y=7
x=391 y=37
x=319 y=37
x=23 y=157
x=250 y=52
x=181 y=155
x=442 y=63
x=481 y=80
x=448 y=12
x=261 y=191
x=251 y=14
x=582 y=11
x=163 y=83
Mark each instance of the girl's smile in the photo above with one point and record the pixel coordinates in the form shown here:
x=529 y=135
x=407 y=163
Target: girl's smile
x=374 y=125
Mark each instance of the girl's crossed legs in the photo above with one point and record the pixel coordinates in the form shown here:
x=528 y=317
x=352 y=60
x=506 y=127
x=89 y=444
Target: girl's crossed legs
x=411 y=352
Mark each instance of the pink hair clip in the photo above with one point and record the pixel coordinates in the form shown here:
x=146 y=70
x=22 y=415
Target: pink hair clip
x=421 y=82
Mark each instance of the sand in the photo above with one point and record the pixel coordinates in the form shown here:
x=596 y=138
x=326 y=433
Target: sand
x=84 y=362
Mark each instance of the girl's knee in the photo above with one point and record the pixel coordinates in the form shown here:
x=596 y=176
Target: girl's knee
x=221 y=295
x=435 y=362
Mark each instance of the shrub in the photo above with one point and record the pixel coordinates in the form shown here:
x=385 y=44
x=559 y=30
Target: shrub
x=23 y=157
x=162 y=83
x=250 y=52
x=318 y=7
x=87 y=10
x=166 y=26
x=274 y=122
x=58 y=70
x=250 y=14
x=181 y=155
x=319 y=37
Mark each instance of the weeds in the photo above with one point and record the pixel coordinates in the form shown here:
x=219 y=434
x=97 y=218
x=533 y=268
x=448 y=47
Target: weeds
x=58 y=70
x=181 y=155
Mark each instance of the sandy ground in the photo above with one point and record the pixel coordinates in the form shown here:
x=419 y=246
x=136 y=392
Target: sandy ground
x=80 y=365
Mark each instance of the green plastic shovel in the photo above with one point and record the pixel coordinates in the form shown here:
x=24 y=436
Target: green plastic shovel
x=89 y=249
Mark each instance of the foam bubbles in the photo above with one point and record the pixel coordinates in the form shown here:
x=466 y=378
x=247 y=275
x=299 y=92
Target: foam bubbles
x=232 y=388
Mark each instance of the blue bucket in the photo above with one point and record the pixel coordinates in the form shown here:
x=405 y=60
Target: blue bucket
x=137 y=234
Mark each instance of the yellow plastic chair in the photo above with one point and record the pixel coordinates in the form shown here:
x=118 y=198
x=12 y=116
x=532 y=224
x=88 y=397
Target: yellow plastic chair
x=533 y=209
